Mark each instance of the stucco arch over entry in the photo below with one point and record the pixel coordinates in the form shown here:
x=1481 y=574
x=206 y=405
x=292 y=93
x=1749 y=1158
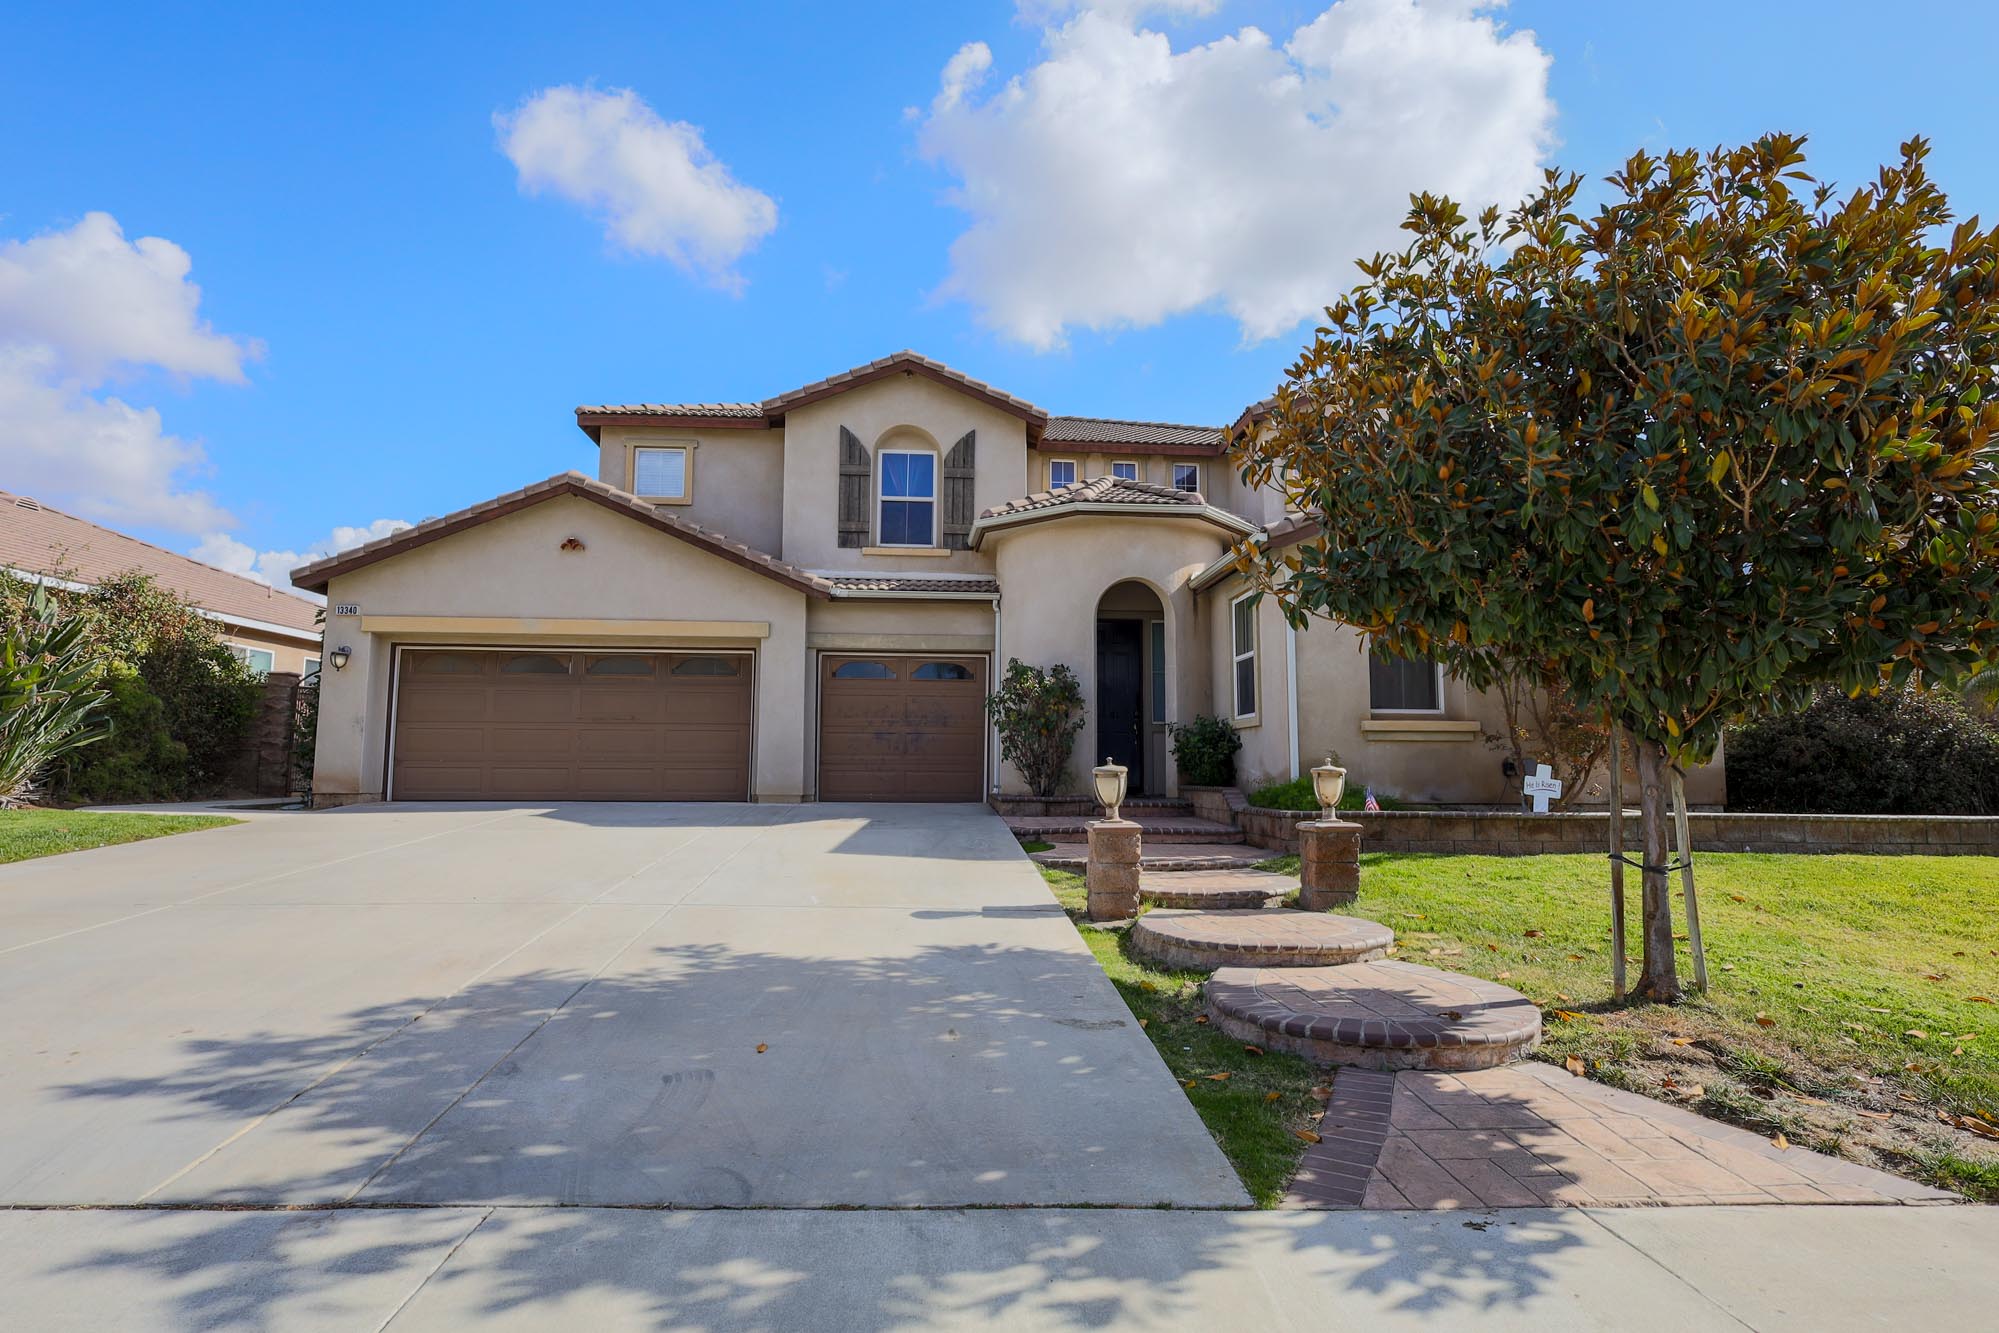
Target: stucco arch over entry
x=1053 y=579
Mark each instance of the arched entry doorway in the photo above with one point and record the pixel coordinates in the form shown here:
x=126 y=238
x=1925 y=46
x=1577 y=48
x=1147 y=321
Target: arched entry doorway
x=1130 y=707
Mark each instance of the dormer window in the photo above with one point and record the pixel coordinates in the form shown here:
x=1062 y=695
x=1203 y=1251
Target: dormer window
x=660 y=473
x=908 y=514
x=1186 y=476
x=1061 y=472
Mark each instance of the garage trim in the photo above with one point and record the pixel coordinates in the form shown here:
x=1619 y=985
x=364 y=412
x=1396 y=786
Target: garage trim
x=396 y=683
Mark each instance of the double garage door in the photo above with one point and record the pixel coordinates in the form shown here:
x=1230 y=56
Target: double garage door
x=535 y=724
x=540 y=725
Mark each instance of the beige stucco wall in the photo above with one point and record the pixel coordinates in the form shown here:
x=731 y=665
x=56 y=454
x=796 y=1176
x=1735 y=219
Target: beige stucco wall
x=514 y=567
x=1266 y=736
x=913 y=410
x=286 y=654
x=736 y=478
x=1053 y=576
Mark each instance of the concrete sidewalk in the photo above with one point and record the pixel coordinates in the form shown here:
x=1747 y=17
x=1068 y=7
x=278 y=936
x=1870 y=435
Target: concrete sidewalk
x=1819 y=1268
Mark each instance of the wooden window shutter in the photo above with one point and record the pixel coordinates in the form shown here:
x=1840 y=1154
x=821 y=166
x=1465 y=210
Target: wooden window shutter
x=857 y=491
x=960 y=466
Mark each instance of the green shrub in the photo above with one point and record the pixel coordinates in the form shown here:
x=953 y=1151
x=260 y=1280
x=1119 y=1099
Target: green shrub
x=1898 y=753
x=140 y=760
x=1205 y=749
x=1297 y=795
x=51 y=704
x=1037 y=714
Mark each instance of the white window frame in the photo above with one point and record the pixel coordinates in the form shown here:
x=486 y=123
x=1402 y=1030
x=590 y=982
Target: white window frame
x=243 y=653
x=1236 y=659
x=1438 y=711
x=882 y=497
x=1196 y=469
x=1076 y=467
x=686 y=452
x=1137 y=473
x=311 y=668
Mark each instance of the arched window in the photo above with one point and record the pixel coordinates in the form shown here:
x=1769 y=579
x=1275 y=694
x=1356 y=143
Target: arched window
x=535 y=664
x=863 y=671
x=707 y=666
x=620 y=664
x=908 y=490
x=448 y=664
x=940 y=671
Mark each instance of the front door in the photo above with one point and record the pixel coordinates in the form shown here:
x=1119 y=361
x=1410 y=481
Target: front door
x=1120 y=697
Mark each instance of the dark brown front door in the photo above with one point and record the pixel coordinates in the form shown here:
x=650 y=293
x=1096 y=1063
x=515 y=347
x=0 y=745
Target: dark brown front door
x=535 y=724
x=901 y=728
x=1121 y=698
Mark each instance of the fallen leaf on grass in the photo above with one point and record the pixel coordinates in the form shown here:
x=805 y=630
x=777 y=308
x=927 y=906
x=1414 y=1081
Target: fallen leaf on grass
x=1917 y=1033
x=1575 y=958
x=1978 y=999
x=1272 y=1096
x=1728 y=967
x=761 y=1048
x=1871 y=1115
x=1810 y=1101
x=1145 y=1022
x=1736 y=898
x=1493 y=947
x=1779 y=1142
x=1931 y=976
x=1200 y=1018
x=1560 y=996
x=1254 y=1050
x=1188 y=1084
x=1533 y=934
x=1764 y=1020
x=1683 y=1041
x=1307 y=1135
x=1574 y=1065
x=1222 y=1077
x=1566 y=1015
x=1322 y=1093
x=1501 y=976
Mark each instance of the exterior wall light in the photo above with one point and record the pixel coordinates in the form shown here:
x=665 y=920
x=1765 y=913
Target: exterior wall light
x=1109 y=780
x=339 y=657
x=1329 y=781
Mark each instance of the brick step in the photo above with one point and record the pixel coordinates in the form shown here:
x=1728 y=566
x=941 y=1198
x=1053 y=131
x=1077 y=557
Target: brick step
x=1155 y=828
x=1257 y=938
x=1382 y=1014
x=1163 y=858
x=1210 y=890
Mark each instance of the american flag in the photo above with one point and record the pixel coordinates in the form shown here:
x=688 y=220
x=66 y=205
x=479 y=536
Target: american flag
x=1370 y=803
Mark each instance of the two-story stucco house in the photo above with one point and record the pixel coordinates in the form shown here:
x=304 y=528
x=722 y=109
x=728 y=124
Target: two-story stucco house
x=807 y=597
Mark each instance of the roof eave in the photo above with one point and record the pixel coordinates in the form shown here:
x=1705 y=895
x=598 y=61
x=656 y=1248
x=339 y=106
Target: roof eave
x=1220 y=518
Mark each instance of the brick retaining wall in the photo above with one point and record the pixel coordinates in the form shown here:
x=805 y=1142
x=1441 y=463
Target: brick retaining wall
x=1505 y=833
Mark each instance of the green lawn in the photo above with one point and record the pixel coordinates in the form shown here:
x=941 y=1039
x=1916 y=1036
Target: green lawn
x=25 y=834
x=1258 y=1110
x=1851 y=1001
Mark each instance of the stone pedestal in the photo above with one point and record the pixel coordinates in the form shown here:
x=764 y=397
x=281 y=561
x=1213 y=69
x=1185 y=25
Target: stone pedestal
x=1113 y=870
x=1329 y=864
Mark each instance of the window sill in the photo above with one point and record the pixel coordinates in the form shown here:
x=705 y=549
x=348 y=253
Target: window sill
x=667 y=499
x=1247 y=723
x=919 y=552
x=1418 y=729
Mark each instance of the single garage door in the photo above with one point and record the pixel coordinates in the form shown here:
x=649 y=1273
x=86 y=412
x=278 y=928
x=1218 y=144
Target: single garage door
x=541 y=725
x=901 y=728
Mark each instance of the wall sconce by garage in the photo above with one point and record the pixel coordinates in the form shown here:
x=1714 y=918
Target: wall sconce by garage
x=1109 y=780
x=339 y=657
x=1329 y=782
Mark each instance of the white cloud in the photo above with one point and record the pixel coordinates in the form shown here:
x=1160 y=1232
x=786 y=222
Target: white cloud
x=1119 y=182
x=275 y=567
x=653 y=182
x=83 y=307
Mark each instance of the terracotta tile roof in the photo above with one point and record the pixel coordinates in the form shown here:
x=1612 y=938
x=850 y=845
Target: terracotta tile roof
x=1098 y=491
x=320 y=572
x=39 y=540
x=862 y=584
x=771 y=410
x=1103 y=430
x=729 y=410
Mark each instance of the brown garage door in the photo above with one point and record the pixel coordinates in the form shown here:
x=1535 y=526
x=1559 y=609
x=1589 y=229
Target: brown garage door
x=901 y=728
x=540 y=725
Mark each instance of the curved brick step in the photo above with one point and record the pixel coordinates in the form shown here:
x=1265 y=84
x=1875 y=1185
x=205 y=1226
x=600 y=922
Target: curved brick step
x=1378 y=1015
x=1171 y=857
x=1213 y=890
x=1256 y=938
x=1155 y=829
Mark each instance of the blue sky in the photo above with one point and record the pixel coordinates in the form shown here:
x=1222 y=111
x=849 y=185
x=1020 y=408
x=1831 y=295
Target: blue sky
x=396 y=313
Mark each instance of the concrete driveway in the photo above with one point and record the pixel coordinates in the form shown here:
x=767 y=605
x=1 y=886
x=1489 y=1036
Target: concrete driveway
x=602 y=1004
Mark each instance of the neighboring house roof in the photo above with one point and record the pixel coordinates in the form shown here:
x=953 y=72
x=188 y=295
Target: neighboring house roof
x=772 y=410
x=1252 y=414
x=319 y=573
x=1152 y=436
x=1107 y=495
x=35 y=539
x=912 y=585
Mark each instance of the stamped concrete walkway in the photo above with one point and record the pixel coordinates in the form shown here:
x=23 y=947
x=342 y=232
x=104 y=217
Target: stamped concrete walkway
x=1532 y=1135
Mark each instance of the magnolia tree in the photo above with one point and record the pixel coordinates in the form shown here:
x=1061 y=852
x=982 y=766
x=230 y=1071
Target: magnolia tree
x=1686 y=457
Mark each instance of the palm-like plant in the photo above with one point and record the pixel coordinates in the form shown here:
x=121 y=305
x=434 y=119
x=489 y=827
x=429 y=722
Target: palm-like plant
x=49 y=696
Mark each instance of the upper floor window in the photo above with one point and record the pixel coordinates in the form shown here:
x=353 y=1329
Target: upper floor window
x=1242 y=618
x=660 y=473
x=1125 y=471
x=259 y=660
x=1403 y=685
x=1061 y=472
x=311 y=668
x=908 y=498
x=1186 y=476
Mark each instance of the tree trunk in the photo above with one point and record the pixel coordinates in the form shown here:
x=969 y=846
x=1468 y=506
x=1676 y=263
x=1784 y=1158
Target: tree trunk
x=1659 y=980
